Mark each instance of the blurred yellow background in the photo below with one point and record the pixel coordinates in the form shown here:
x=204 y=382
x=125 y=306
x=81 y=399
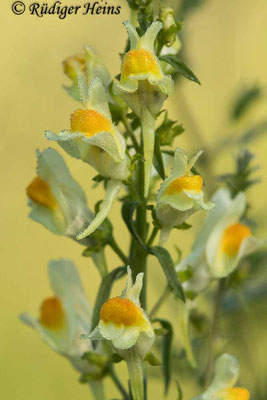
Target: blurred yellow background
x=226 y=48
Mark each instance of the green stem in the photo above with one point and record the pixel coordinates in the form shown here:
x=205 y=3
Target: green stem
x=152 y=236
x=214 y=331
x=159 y=303
x=148 y=136
x=118 y=383
x=97 y=388
x=99 y=260
x=131 y=133
x=113 y=244
x=136 y=374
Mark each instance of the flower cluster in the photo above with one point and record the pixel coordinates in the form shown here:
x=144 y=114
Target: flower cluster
x=113 y=130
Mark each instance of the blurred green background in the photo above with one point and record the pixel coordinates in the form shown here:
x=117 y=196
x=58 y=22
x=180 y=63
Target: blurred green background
x=225 y=45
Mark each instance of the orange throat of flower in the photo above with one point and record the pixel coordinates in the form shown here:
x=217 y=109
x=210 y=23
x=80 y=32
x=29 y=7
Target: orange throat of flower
x=192 y=183
x=89 y=122
x=40 y=193
x=140 y=62
x=71 y=64
x=233 y=237
x=52 y=314
x=233 y=394
x=121 y=311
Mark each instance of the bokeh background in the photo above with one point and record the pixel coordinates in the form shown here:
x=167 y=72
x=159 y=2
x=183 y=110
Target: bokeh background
x=225 y=45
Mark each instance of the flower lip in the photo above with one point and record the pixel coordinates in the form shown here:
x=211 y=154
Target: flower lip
x=193 y=182
x=40 y=193
x=233 y=237
x=89 y=122
x=69 y=65
x=234 y=394
x=121 y=311
x=52 y=314
x=140 y=62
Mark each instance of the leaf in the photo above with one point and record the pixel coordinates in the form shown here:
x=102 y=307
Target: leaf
x=152 y=360
x=180 y=392
x=158 y=161
x=104 y=292
x=166 y=351
x=246 y=98
x=180 y=67
x=167 y=265
x=127 y=212
x=183 y=227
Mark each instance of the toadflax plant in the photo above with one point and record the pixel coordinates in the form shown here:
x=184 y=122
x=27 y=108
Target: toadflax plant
x=117 y=129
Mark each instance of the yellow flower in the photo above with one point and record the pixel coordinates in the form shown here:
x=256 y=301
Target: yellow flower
x=140 y=63
x=233 y=237
x=55 y=198
x=225 y=377
x=233 y=394
x=52 y=314
x=85 y=65
x=180 y=195
x=40 y=193
x=124 y=322
x=93 y=137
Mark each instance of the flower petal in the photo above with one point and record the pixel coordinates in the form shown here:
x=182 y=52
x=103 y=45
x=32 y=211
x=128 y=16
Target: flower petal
x=133 y=35
x=127 y=339
x=109 y=330
x=148 y=39
x=113 y=188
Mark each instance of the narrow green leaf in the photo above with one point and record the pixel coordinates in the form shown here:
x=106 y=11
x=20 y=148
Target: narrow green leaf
x=180 y=392
x=152 y=360
x=167 y=265
x=180 y=67
x=158 y=161
x=127 y=211
x=104 y=292
x=183 y=227
x=166 y=351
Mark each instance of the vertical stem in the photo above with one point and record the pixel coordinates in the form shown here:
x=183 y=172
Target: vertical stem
x=99 y=260
x=148 y=136
x=118 y=383
x=138 y=256
x=136 y=375
x=214 y=331
x=97 y=389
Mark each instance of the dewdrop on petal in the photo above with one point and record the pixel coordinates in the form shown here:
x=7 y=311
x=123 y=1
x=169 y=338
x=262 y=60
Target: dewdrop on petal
x=180 y=195
x=124 y=323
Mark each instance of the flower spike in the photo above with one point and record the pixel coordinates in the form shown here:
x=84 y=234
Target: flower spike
x=113 y=188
